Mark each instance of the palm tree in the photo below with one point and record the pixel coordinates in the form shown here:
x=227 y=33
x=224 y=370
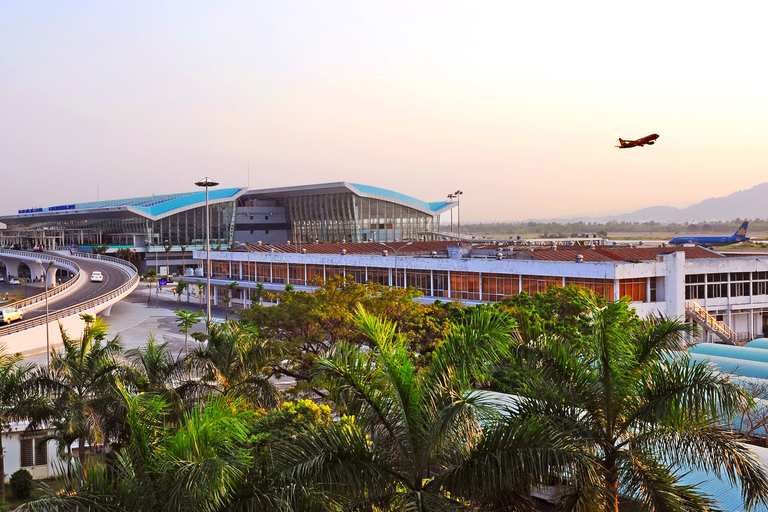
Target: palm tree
x=168 y=248
x=13 y=377
x=422 y=439
x=234 y=361
x=181 y=285
x=200 y=292
x=150 y=275
x=183 y=260
x=155 y=370
x=126 y=253
x=79 y=382
x=164 y=467
x=185 y=320
x=640 y=413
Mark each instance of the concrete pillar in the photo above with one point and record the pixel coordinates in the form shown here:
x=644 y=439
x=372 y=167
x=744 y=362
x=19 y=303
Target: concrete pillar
x=674 y=283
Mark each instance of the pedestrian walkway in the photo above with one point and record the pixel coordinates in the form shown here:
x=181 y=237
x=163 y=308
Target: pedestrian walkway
x=135 y=318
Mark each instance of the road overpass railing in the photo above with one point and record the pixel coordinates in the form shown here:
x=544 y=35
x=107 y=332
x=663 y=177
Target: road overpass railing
x=83 y=306
x=52 y=292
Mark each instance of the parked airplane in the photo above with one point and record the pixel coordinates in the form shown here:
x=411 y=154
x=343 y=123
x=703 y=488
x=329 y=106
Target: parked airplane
x=648 y=139
x=709 y=241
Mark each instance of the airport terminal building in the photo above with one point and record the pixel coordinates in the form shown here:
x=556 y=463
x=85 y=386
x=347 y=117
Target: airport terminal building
x=297 y=235
x=174 y=224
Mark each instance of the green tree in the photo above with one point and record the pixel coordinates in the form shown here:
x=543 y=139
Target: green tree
x=168 y=248
x=13 y=378
x=235 y=360
x=153 y=368
x=79 y=383
x=196 y=465
x=149 y=275
x=422 y=438
x=201 y=293
x=100 y=249
x=127 y=254
x=639 y=412
x=185 y=320
x=310 y=324
x=181 y=285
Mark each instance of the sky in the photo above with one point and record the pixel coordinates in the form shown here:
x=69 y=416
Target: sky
x=517 y=104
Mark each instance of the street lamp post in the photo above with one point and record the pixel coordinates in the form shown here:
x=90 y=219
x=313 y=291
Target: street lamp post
x=397 y=252
x=207 y=183
x=46 y=268
x=451 y=197
x=458 y=194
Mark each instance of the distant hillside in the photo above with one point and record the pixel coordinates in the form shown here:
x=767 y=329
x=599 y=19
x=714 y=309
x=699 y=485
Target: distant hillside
x=744 y=204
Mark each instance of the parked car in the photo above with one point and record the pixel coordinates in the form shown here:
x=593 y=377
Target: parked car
x=14 y=280
x=2 y=279
x=8 y=315
x=96 y=277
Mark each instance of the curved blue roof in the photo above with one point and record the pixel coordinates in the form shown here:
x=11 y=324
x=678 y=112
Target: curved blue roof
x=761 y=343
x=742 y=353
x=368 y=189
x=735 y=366
x=152 y=205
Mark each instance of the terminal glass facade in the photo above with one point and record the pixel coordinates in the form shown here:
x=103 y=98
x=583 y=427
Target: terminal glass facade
x=186 y=228
x=347 y=216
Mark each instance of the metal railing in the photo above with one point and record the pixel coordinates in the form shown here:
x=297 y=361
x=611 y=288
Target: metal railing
x=719 y=328
x=51 y=291
x=83 y=306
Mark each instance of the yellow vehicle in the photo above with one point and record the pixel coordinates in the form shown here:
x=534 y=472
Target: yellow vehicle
x=8 y=315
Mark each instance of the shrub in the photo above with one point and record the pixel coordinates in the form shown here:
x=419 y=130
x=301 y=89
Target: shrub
x=21 y=484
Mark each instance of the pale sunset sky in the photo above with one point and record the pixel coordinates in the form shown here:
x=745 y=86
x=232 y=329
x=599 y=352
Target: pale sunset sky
x=518 y=104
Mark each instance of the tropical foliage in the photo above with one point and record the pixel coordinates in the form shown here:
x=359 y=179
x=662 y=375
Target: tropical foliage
x=423 y=408
x=641 y=413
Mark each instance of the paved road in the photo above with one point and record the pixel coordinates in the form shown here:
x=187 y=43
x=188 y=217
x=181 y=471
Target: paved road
x=114 y=277
x=134 y=321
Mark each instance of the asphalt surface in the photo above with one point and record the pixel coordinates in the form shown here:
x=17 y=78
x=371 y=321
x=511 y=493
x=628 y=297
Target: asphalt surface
x=114 y=277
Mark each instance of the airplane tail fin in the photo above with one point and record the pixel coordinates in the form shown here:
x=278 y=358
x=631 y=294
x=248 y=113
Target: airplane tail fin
x=742 y=231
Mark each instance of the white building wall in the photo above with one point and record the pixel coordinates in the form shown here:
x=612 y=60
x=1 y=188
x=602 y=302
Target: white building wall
x=667 y=272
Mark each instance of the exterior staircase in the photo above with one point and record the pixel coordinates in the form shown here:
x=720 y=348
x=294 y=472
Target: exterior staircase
x=709 y=323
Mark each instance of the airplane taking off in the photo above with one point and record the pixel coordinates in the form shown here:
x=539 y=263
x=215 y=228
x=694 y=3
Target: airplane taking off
x=709 y=241
x=648 y=139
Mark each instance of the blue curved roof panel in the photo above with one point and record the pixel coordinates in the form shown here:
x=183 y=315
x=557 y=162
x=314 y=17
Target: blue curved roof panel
x=368 y=189
x=761 y=343
x=159 y=204
x=740 y=367
x=743 y=353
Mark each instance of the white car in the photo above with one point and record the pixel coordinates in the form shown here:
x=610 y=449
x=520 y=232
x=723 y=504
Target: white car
x=97 y=277
x=14 y=280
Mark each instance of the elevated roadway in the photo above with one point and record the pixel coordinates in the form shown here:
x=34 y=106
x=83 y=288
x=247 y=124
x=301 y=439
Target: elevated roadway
x=65 y=302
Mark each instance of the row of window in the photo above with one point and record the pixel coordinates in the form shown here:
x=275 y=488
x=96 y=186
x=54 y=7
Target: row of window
x=434 y=283
x=719 y=285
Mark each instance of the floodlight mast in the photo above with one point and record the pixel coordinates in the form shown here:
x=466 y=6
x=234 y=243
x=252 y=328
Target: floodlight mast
x=46 y=269
x=207 y=183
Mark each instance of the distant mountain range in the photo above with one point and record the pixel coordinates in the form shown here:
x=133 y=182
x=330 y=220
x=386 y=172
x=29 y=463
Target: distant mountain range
x=744 y=204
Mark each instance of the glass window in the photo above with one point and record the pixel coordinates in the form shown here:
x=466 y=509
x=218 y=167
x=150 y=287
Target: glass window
x=465 y=285
x=635 y=289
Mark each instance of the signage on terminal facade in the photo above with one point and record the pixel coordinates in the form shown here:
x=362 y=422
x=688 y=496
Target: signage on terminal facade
x=50 y=209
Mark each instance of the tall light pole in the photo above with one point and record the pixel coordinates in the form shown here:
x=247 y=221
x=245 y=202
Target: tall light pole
x=46 y=268
x=207 y=183
x=458 y=194
x=451 y=197
x=397 y=252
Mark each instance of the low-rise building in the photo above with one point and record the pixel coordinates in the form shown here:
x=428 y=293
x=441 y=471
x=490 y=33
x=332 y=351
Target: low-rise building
x=727 y=296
